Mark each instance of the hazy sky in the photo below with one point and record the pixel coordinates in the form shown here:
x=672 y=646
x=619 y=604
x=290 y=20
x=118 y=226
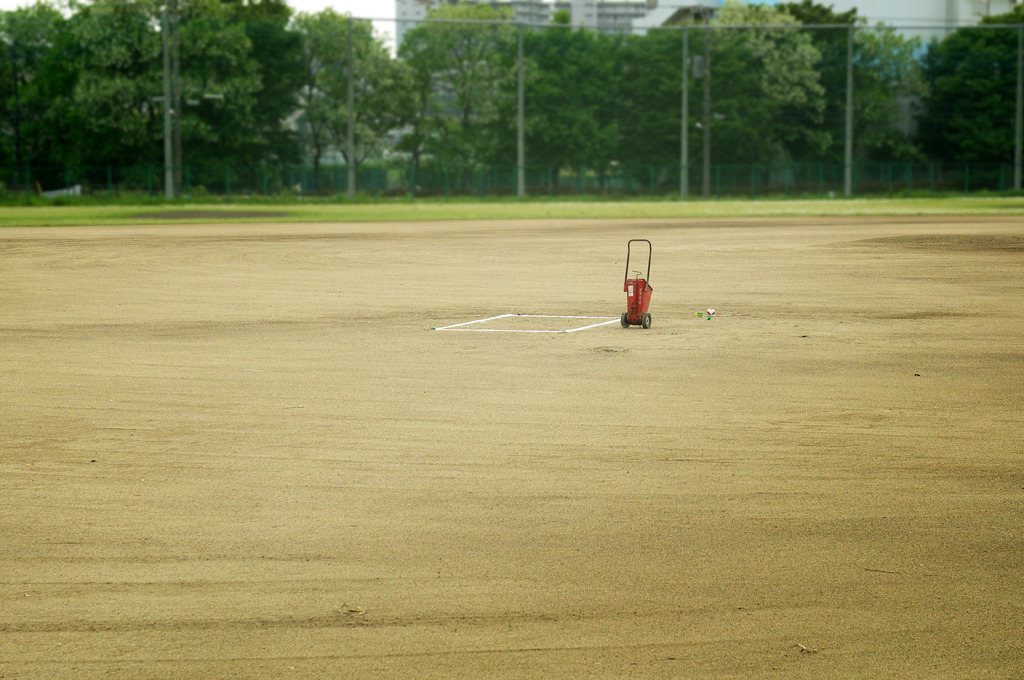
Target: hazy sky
x=367 y=9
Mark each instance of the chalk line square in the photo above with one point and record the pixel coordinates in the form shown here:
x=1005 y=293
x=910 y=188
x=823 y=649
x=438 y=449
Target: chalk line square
x=480 y=325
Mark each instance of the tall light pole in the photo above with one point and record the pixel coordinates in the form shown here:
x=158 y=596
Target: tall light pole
x=1019 y=127
x=17 y=106
x=520 y=125
x=351 y=141
x=848 y=137
x=684 y=150
x=706 y=180
x=168 y=134
x=176 y=95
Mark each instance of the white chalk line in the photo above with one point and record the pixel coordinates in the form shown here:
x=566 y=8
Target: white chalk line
x=605 y=320
x=466 y=323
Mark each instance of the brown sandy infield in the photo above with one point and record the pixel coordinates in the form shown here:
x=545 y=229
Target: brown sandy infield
x=240 y=451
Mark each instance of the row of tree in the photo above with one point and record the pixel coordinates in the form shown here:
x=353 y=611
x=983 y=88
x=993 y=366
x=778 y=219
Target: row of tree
x=263 y=85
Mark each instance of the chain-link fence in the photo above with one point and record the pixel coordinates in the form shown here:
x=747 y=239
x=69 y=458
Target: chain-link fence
x=750 y=104
x=146 y=184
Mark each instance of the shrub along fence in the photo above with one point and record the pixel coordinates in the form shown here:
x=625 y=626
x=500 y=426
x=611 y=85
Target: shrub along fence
x=615 y=182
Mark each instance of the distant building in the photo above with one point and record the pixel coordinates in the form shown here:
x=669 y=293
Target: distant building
x=409 y=13
x=915 y=13
x=924 y=18
x=927 y=20
x=611 y=16
x=673 y=12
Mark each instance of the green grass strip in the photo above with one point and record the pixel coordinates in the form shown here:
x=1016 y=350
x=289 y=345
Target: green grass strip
x=429 y=210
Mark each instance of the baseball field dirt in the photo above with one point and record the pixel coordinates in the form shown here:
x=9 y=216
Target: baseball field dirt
x=242 y=451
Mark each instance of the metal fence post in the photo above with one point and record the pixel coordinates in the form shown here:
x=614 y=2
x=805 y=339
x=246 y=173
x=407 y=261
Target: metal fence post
x=176 y=103
x=168 y=135
x=848 y=138
x=351 y=141
x=520 y=126
x=1019 y=127
x=706 y=179
x=684 y=150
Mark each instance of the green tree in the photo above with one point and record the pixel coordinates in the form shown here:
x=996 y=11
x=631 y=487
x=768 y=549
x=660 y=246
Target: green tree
x=649 y=93
x=378 y=86
x=277 y=51
x=89 y=86
x=419 y=108
x=320 y=34
x=573 y=98
x=810 y=12
x=462 y=82
x=117 y=75
x=36 y=73
x=221 y=88
x=831 y=43
x=970 y=106
x=887 y=80
x=767 y=97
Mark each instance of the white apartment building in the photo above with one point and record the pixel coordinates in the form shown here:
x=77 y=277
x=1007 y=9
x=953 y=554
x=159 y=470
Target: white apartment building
x=659 y=12
x=925 y=14
x=408 y=13
x=924 y=18
x=611 y=16
x=599 y=15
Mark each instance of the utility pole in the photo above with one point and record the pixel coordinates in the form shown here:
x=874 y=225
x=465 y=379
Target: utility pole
x=848 y=137
x=706 y=181
x=175 y=103
x=168 y=128
x=17 y=106
x=1020 y=110
x=684 y=150
x=351 y=141
x=520 y=126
